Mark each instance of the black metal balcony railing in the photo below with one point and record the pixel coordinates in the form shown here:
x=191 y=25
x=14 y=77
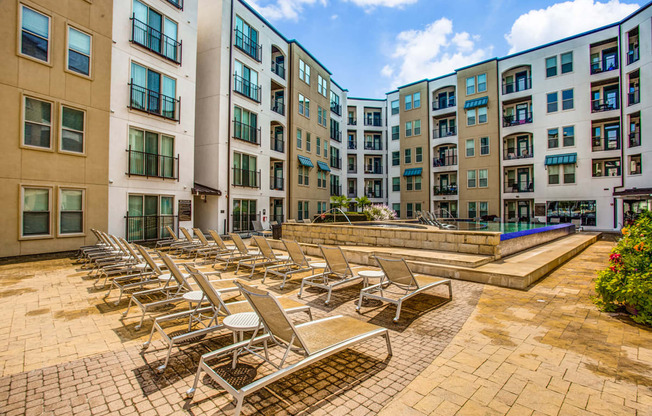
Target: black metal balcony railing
x=632 y=56
x=336 y=108
x=373 y=169
x=248 y=46
x=149 y=227
x=440 y=105
x=278 y=107
x=352 y=169
x=153 y=102
x=336 y=190
x=374 y=122
x=277 y=145
x=517 y=86
x=352 y=193
x=352 y=145
x=509 y=121
x=603 y=105
x=374 y=194
x=243 y=223
x=246 y=178
x=352 y=121
x=153 y=40
x=445 y=190
x=336 y=162
x=599 y=144
x=246 y=132
x=633 y=97
x=518 y=187
x=634 y=139
x=450 y=160
x=511 y=153
x=598 y=67
x=176 y=3
x=447 y=132
x=278 y=69
x=152 y=165
x=336 y=135
x=246 y=88
x=373 y=146
x=276 y=183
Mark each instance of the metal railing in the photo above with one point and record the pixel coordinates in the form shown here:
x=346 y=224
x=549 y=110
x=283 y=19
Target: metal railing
x=603 y=105
x=373 y=146
x=278 y=107
x=245 y=132
x=336 y=135
x=352 y=121
x=599 y=143
x=437 y=105
x=517 y=86
x=511 y=153
x=447 y=132
x=176 y=3
x=352 y=169
x=373 y=169
x=152 y=165
x=248 y=46
x=336 y=162
x=509 y=121
x=352 y=145
x=634 y=139
x=277 y=145
x=246 y=88
x=149 y=227
x=374 y=122
x=336 y=190
x=633 y=97
x=153 y=40
x=597 y=68
x=153 y=102
x=246 y=178
x=518 y=187
x=632 y=56
x=445 y=190
x=351 y=193
x=336 y=108
x=373 y=194
x=276 y=183
x=278 y=69
x=242 y=223
x=450 y=160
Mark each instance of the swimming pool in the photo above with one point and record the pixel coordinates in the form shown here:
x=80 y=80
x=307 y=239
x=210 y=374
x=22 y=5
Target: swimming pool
x=499 y=227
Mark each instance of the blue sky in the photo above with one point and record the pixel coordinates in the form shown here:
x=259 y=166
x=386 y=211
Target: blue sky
x=373 y=46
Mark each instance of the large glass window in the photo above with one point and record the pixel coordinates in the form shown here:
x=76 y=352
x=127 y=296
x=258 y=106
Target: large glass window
x=553 y=174
x=244 y=171
x=484 y=209
x=151 y=154
x=395 y=107
x=569 y=173
x=72 y=130
x=566 y=211
x=35 y=34
x=71 y=211
x=36 y=211
x=246 y=81
x=245 y=125
x=244 y=213
x=79 y=51
x=246 y=38
x=158 y=33
x=38 y=123
x=304 y=72
x=153 y=92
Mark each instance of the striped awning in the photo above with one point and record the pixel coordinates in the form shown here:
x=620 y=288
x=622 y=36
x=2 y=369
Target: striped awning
x=305 y=161
x=566 y=158
x=476 y=102
x=413 y=172
x=323 y=166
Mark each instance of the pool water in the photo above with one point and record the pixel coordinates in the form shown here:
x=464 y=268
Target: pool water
x=501 y=227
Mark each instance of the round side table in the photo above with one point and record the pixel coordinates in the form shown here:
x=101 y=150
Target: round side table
x=238 y=323
x=370 y=274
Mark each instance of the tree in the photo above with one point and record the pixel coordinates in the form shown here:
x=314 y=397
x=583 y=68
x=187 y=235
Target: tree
x=341 y=202
x=362 y=202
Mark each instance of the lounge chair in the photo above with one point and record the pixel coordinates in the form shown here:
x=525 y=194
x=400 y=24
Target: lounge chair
x=241 y=252
x=313 y=341
x=267 y=257
x=307 y=221
x=336 y=274
x=298 y=263
x=400 y=282
x=291 y=221
x=259 y=230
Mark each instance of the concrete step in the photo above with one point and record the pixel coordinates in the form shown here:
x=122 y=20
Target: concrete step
x=425 y=256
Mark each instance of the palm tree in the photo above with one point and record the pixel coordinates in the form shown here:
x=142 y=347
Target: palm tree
x=362 y=202
x=340 y=202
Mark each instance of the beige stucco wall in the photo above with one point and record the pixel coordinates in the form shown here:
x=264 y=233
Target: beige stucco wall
x=21 y=76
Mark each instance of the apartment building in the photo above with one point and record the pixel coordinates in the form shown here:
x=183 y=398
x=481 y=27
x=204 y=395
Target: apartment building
x=338 y=104
x=394 y=166
x=152 y=123
x=55 y=102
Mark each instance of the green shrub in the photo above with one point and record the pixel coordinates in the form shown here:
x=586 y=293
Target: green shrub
x=628 y=279
x=353 y=217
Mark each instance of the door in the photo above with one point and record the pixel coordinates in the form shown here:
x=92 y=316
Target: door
x=166 y=216
x=170 y=42
x=611 y=98
x=278 y=210
x=135 y=218
x=612 y=136
x=168 y=97
x=155 y=22
x=444 y=210
x=523 y=148
x=166 y=163
x=521 y=113
x=377 y=191
x=523 y=179
x=521 y=81
x=151 y=217
x=153 y=91
x=139 y=86
x=151 y=154
x=137 y=154
x=278 y=176
x=523 y=211
x=443 y=128
x=442 y=100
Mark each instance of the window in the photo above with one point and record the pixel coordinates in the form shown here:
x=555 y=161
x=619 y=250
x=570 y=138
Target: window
x=37 y=123
x=484 y=209
x=483 y=178
x=566 y=62
x=72 y=130
x=79 y=51
x=396 y=132
x=408 y=102
x=408 y=128
x=407 y=157
x=396 y=158
x=304 y=175
x=482 y=115
x=246 y=38
x=318 y=147
x=470 y=147
x=417 y=183
x=482 y=82
x=417 y=127
x=569 y=173
x=244 y=171
x=417 y=100
x=395 y=107
x=470 y=179
x=565 y=211
x=304 y=211
x=473 y=213
x=409 y=210
x=304 y=72
x=35 y=34
x=409 y=183
x=151 y=154
x=567 y=99
x=551 y=66
x=484 y=145
x=307 y=142
x=553 y=138
x=552 y=102
x=326 y=148
x=36 y=212
x=157 y=33
x=245 y=125
x=71 y=211
x=321 y=179
x=553 y=175
x=397 y=209
x=396 y=184
x=470 y=85
x=418 y=155
x=569 y=136
x=304 y=106
x=322 y=85
x=470 y=117
x=606 y=167
x=635 y=167
x=298 y=138
x=321 y=116
x=154 y=92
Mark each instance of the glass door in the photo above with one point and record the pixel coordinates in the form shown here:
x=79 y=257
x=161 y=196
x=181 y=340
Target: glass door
x=155 y=23
x=153 y=93
x=523 y=211
x=151 y=154
x=135 y=218
x=151 y=217
x=523 y=148
x=523 y=179
x=521 y=81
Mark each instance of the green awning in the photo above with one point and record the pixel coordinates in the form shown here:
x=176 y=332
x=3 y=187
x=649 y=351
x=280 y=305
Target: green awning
x=413 y=172
x=476 y=102
x=566 y=158
x=305 y=161
x=323 y=166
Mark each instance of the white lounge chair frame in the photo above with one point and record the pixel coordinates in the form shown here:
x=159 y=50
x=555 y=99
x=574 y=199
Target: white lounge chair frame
x=336 y=274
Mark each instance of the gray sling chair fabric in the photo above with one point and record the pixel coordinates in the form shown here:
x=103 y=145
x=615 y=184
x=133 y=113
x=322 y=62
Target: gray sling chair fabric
x=337 y=273
x=298 y=263
x=241 y=252
x=312 y=341
x=267 y=257
x=401 y=283
x=259 y=230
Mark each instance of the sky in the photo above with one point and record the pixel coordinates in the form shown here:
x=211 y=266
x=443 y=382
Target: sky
x=374 y=46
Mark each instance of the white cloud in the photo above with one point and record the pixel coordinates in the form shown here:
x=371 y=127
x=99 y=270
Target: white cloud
x=334 y=17
x=370 y=4
x=433 y=51
x=284 y=9
x=561 y=20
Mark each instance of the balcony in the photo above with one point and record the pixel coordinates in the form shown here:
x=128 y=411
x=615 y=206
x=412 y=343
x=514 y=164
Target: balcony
x=176 y=3
x=523 y=152
x=278 y=145
x=374 y=194
x=441 y=133
x=246 y=88
x=245 y=132
x=155 y=41
x=373 y=146
x=599 y=144
x=632 y=56
x=633 y=97
x=517 y=86
x=149 y=227
x=443 y=104
x=373 y=169
x=152 y=165
x=450 y=160
x=248 y=46
x=445 y=190
x=246 y=178
x=352 y=145
x=336 y=190
x=598 y=106
x=278 y=69
x=276 y=183
x=634 y=139
x=153 y=102
x=336 y=162
x=518 y=187
x=373 y=122
x=336 y=108
x=517 y=120
x=352 y=121
x=278 y=107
